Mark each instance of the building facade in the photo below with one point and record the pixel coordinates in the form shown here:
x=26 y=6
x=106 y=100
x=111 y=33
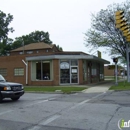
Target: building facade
x=41 y=64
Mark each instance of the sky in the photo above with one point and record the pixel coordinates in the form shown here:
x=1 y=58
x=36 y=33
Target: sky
x=65 y=20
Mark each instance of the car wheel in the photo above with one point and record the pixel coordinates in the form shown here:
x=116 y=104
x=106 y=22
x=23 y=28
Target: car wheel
x=1 y=98
x=15 y=99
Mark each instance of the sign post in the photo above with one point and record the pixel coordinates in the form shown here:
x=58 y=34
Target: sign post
x=128 y=62
x=116 y=71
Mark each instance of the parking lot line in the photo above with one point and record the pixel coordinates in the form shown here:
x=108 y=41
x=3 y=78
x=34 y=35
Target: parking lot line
x=2 y=113
x=85 y=101
x=50 y=120
x=36 y=103
x=35 y=128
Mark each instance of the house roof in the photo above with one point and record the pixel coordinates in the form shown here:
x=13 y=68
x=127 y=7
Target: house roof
x=35 y=46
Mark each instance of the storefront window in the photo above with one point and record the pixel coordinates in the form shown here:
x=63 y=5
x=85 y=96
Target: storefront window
x=42 y=70
x=101 y=71
x=74 y=62
x=64 y=71
x=84 y=70
x=94 y=70
x=46 y=70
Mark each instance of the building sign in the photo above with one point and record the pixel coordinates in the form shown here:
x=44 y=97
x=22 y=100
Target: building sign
x=74 y=70
x=99 y=54
x=64 y=65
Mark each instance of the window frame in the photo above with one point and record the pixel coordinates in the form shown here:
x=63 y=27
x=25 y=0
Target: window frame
x=3 y=71
x=17 y=71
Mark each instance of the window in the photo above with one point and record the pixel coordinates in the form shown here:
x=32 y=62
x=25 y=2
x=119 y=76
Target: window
x=3 y=71
x=64 y=71
x=46 y=70
x=21 y=53
x=29 y=52
x=19 y=71
x=74 y=62
x=94 y=70
x=41 y=70
x=101 y=71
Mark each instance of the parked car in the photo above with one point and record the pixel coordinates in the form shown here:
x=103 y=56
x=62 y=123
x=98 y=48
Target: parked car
x=10 y=90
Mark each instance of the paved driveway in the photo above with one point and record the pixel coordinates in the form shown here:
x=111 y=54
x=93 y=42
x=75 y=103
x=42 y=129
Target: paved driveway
x=79 y=111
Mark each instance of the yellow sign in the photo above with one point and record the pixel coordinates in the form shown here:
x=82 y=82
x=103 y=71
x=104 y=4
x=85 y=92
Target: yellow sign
x=120 y=12
x=99 y=54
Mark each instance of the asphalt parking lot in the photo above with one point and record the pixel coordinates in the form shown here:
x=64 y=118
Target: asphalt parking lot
x=78 y=111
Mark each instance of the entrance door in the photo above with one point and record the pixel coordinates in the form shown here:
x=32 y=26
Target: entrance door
x=74 y=75
x=65 y=76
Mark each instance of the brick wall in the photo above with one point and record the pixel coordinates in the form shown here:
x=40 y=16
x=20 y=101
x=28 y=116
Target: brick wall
x=10 y=63
x=108 y=72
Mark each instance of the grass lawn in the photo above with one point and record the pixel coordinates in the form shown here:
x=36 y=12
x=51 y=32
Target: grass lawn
x=111 y=77
x=67 y=89
x=124 y=85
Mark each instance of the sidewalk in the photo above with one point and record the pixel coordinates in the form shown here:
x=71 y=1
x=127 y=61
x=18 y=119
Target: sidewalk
x=101 y=87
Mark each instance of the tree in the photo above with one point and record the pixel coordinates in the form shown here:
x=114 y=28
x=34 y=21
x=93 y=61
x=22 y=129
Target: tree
x=103 y=32
x=33 y=37
x=5 y=47
x=7 y=44
x=60 y=48
x=5 y=20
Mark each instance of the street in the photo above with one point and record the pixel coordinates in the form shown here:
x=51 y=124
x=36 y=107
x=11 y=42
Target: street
x=78 y=111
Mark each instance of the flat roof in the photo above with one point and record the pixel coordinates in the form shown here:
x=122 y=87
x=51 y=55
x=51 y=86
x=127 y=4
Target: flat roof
x=72 y=56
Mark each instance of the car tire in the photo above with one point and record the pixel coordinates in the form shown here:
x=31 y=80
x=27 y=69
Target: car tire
x=1 y=98
x=15 y=99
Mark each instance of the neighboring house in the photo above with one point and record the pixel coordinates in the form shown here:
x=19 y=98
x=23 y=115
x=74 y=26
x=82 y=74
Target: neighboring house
x=43 y=64
x=110 y=71
x=35 y=48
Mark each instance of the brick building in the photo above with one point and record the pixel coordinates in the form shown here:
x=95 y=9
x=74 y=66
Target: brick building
x=43 y=64
x=111 y=71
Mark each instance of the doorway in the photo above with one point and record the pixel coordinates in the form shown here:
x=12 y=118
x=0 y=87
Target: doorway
x=74 y=75
x=69 y=72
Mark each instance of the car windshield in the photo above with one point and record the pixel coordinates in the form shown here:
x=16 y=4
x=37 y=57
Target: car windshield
x=1 y=78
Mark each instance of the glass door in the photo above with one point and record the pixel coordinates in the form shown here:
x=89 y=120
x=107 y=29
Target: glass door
x=65 y=76
x=74 y=75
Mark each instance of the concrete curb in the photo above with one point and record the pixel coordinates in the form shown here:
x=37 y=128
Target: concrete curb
x=44 y=92
x=72 y=92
